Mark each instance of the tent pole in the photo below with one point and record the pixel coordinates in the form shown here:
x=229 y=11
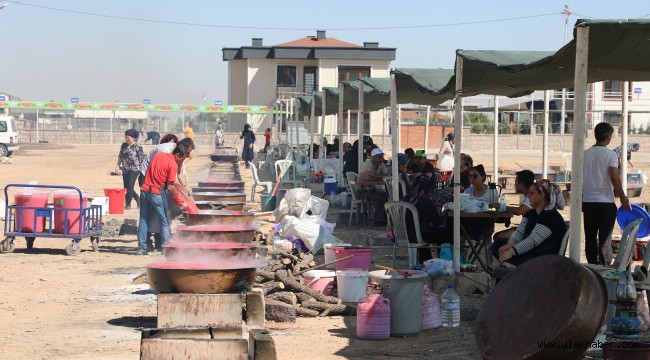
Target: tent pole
x=394 y=135
x=547 y=95
x=495 y=147
x=323 y=151
x=311 y=129
x=360 y=127
x=579 y=113
x=426 y=131
x=290 y=123
x=348 y=122
x=458 y=124
x=37 y=134
x=340 y=124
x=623 y=131
x=399 y=124
x=295 y=122
x=383 y=131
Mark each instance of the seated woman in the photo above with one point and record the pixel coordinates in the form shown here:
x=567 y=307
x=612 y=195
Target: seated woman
x=477 y=189
x=402 y=162
x=429 y=201
x=541 y=229
x=466 y=164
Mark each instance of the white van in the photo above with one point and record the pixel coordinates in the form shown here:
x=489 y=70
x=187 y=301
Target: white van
x=8 y=136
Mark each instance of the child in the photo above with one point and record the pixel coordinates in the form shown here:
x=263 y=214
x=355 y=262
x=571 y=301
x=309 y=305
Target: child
x=267 y=136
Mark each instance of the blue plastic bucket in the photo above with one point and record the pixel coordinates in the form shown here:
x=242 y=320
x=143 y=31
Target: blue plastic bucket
x=330 y=185
x=625 y=217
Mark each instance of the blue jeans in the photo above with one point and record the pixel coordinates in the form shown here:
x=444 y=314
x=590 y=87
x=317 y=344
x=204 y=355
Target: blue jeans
x=149 y=204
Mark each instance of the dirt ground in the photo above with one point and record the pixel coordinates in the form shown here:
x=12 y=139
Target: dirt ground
x=55 y=306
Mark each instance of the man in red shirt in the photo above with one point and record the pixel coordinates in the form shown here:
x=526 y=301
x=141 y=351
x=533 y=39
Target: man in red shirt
x=267 y=138
x=158 y=181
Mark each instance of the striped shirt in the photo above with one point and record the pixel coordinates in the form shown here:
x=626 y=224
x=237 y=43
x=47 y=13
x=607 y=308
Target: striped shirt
x=546 y=228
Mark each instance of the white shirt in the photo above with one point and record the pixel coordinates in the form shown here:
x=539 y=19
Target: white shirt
x=597 y=184
x=526 y=202
x=163 y=148
x=470 y=191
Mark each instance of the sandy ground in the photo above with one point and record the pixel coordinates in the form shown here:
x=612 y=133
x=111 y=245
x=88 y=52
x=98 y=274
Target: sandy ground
x=55 y=306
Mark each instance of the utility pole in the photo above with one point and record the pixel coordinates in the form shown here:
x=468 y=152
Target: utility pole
x=567 y=13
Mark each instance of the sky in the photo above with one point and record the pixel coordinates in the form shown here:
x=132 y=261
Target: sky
x=51 y=51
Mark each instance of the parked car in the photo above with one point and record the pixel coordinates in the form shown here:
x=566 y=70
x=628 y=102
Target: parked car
x=8 y=136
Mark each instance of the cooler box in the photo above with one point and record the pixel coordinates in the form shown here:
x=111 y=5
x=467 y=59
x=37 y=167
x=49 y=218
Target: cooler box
x=101 y=201
x=71 y=221
x=29 y=219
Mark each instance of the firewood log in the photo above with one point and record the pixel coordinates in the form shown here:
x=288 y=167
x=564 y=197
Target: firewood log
x=267 y=275
x=286 y=297
x=301 y=311
x=302 y=297
x=329 y=309
x=271 y=287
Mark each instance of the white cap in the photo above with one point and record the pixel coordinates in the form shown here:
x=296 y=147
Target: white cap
x=376 y=152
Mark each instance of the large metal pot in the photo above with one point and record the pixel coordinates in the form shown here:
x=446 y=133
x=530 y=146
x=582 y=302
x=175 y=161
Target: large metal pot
x=209 y=182
x=196 y=278
x=224 y=158
x=224 y=176
x=218 y=188
x=220 y=196
x=549 y=299
x=221 y=217
x=217 y=205
x=214 y=234
x=210 y=253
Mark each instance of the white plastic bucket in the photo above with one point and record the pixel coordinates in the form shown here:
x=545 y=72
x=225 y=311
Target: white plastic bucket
x=101 y=201
x=352 y=284
x=328 y=249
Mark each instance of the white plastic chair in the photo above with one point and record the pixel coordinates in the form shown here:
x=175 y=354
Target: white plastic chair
x=567 y=166
x=256 y=181
x=284 y=171
x=626 y=248
x=397 y=213
x=565 y=241
x=351 y=176
x=388 y=183
x=356 y=205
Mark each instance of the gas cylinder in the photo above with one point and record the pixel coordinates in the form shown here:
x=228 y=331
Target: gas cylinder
x=373 y=315
x=431 y=318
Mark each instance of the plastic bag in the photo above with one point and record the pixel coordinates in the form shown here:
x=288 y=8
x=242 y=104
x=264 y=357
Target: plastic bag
x=311 y=233
x=341 y=199
x=445 y=162
x=315 y=208
x=439 y=267
x=292 y=203
x=642 y=310
x=473 y=205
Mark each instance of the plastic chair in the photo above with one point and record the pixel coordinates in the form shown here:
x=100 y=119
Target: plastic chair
x=396 y=213
x=628 y=243
x=268 y=161
x=282 y=168
x=388 y=183
x=283 y=152
x=565 y=240
x=351 y=176
x=256 y=181
x=356 y=205
x=567 y=166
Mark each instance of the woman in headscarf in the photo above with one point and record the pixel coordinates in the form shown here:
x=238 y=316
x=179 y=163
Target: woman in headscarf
x=129 y=160
x=541 y=229
x=247 y=153
x=631 y=147
x=428 y=200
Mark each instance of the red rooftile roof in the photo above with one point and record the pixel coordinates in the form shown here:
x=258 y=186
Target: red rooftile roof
x=311 y=41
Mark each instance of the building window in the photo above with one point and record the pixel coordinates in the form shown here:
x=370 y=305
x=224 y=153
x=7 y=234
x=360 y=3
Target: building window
x=286 y=76
x=613 y=90
x=310 y=80
x=569 y=93
x=352 y=73
x=353 y=123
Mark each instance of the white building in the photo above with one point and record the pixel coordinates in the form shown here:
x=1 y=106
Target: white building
x=262 y=75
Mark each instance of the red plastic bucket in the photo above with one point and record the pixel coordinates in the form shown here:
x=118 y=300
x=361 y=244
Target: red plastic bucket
x=321 y=281
x=361 y=260
x=27 y=218
x=115 y=200
x=69 y=200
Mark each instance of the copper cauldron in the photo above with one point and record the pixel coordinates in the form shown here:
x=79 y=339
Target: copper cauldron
x=197 y=278
x=210 y=182
x=210 y=253
x=217 y=188
x=549 y=299
x=221 y=217
x=214 y=234
x=220 y=196
x=220 y=205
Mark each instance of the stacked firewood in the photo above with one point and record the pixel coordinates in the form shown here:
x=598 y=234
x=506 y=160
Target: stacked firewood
x=285 y=291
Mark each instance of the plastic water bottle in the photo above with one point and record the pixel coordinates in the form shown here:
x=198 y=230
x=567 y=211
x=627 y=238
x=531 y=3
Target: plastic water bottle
x=450 y=308
x=502 y=203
